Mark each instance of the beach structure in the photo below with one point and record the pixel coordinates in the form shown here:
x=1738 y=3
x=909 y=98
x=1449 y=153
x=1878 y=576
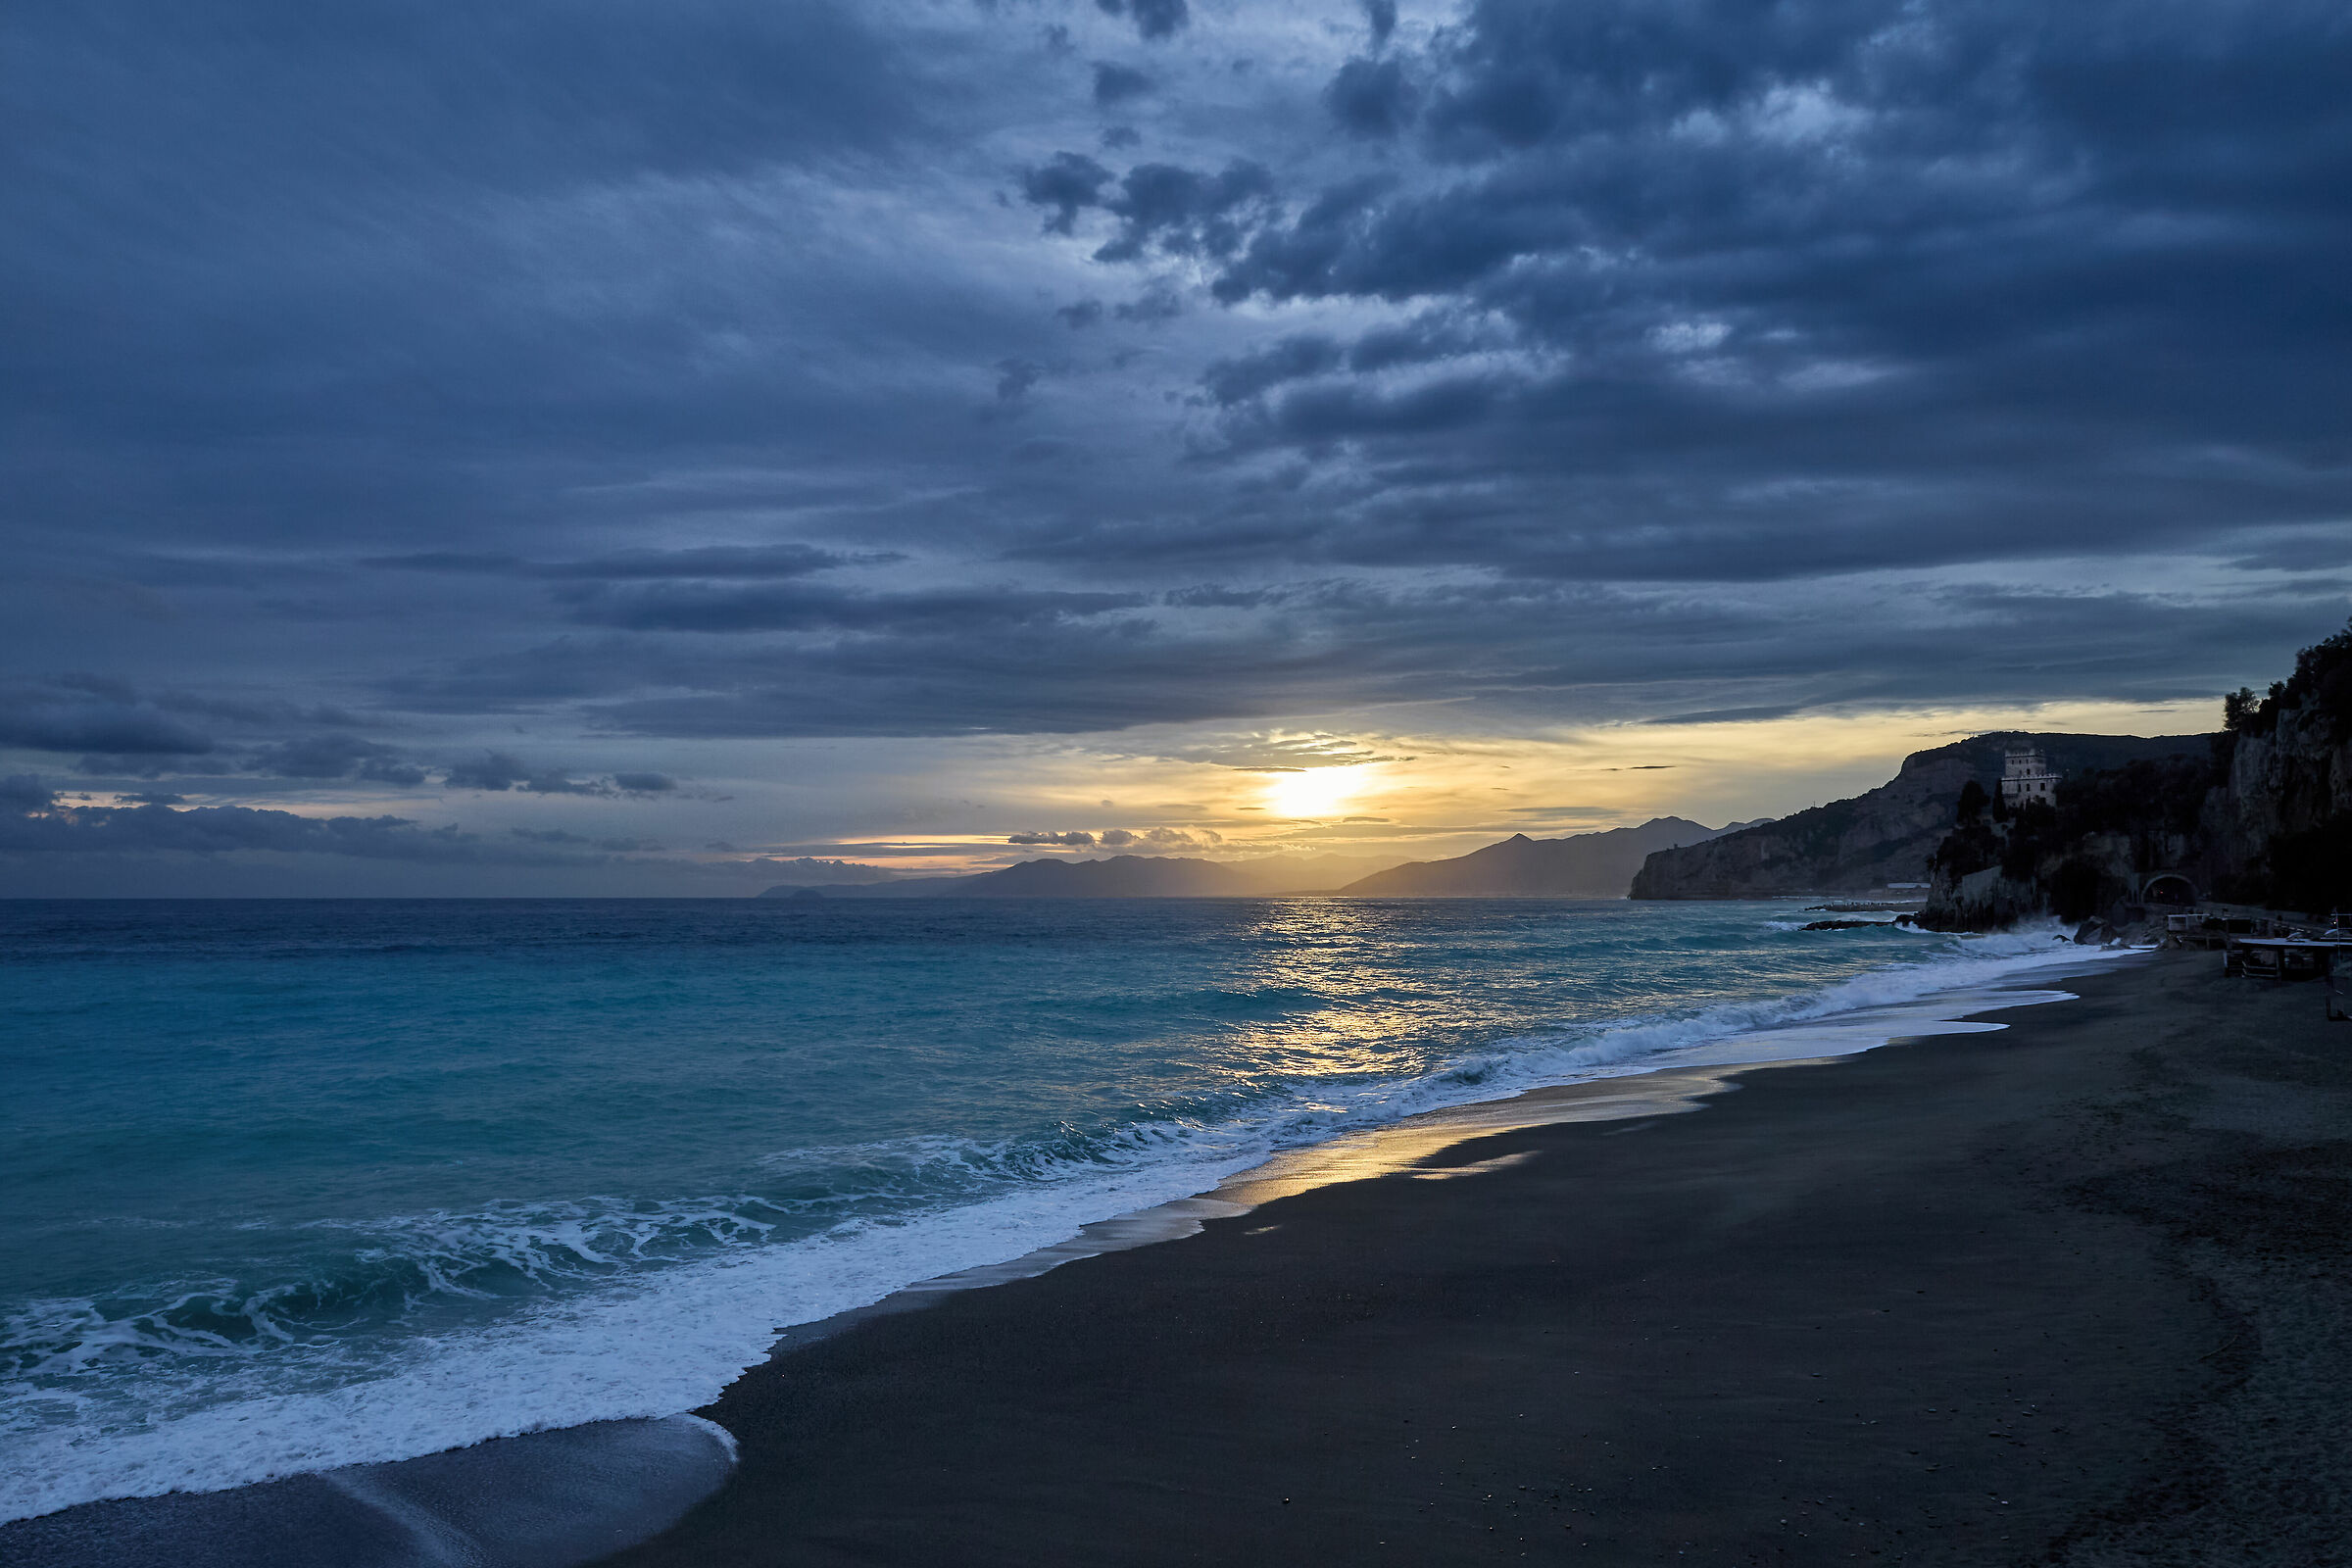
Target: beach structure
x=2199 y=930
x=2283 y=958
x=2027 y=779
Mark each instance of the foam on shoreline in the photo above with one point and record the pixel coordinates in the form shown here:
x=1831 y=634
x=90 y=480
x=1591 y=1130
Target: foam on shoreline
x=669 y=1341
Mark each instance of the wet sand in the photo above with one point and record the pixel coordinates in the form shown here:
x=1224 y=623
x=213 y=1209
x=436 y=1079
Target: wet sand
x=2070 y=1293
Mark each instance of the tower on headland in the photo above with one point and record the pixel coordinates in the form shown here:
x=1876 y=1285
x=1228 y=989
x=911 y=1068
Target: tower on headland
x=2027 y=779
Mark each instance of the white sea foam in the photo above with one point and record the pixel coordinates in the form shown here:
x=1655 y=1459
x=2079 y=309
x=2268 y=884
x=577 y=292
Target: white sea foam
x=656 y=1343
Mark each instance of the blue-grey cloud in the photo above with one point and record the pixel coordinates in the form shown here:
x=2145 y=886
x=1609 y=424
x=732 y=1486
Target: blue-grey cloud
x=1372 y=97
x=750 y=610
x=92 y=713
x=719 y=561
x=1154 y=18
x=557 y=835
x=1234 y=380
x=1068 y=183
x=30 y=825
x=497 y=771
x=337 y=756
x=386 y=383
x=1115 y=84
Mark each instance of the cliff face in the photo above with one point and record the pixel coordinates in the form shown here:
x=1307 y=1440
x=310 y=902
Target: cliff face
x=2265 y=818
x=1886 y=835
x=2283 y=786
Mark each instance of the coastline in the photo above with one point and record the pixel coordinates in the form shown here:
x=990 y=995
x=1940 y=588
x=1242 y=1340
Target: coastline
x=559 y=1364
x=2061 y=1292
x=510 y=1500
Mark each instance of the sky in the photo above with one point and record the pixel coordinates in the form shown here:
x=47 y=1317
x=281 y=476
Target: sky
x=658 y=446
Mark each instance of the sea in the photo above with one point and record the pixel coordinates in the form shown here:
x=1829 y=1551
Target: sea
x=286 y=1186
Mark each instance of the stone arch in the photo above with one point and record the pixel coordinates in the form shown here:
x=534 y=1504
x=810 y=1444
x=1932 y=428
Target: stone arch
x=2169 y=887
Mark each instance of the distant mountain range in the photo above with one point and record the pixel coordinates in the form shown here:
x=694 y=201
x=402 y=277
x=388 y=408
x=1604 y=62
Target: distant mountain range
x=1122 y=876
x=1590 y=865
x=808 y=871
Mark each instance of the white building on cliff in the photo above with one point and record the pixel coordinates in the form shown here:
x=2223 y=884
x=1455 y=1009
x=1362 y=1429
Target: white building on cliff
x=2027 y=779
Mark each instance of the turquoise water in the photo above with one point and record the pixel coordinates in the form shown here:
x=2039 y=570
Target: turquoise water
x=298 y=1183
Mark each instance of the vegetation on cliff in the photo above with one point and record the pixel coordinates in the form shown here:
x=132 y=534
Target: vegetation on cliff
x=2263 y=818
x=1888 y=834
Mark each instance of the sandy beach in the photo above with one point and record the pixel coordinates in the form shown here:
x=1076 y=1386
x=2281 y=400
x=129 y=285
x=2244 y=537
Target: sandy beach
x=2067 y=1293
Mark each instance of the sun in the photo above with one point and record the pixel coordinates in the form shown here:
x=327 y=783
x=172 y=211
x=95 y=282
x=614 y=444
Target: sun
x=1315 y=792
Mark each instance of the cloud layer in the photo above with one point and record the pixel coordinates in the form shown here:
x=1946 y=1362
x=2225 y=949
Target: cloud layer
x=417 y=411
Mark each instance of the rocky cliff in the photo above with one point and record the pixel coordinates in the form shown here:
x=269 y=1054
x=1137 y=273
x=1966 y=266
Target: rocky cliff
x=2282 y=831
x=2264 y=817
x=1886 y=835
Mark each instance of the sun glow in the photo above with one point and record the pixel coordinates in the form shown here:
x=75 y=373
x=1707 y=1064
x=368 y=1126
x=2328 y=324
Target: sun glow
x=1315 y=792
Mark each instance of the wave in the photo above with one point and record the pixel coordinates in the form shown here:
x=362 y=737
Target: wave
x=624 y=1310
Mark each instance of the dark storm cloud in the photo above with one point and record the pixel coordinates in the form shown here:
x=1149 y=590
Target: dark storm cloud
x=495 y=772
x=33 y=821
x=729 y=609
x=1158 y=301
x=250 y=713
x=23 y=792
x=1809 y=288
x=1068 y=184
x=1115 y=84
x=671 y=371
x=451 y=561
x=1168 y=210
x=337 y=756
x=1527 y=651
x=716 y=562
x=92 y=713
x=1372 y=97
x=135 y=765
x=329 y=177
x=1015 y=378
x=1154 y=18
x=1231 y=381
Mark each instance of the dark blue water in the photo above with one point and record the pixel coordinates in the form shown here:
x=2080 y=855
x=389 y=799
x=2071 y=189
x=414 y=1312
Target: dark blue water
x=297 y=1184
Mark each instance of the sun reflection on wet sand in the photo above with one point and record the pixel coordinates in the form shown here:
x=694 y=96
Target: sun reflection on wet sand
x=1402 y=1145
x=1404 y=1148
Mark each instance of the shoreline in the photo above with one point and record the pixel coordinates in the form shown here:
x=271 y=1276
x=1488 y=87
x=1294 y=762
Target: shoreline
x=1949 y=1300
x=459 y=1479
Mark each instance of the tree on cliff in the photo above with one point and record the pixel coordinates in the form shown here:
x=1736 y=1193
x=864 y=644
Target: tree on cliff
x=2321 y=686
x=2113 y=826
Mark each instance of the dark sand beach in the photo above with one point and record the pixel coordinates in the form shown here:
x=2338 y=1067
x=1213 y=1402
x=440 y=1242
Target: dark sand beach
x=2071 y=1293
